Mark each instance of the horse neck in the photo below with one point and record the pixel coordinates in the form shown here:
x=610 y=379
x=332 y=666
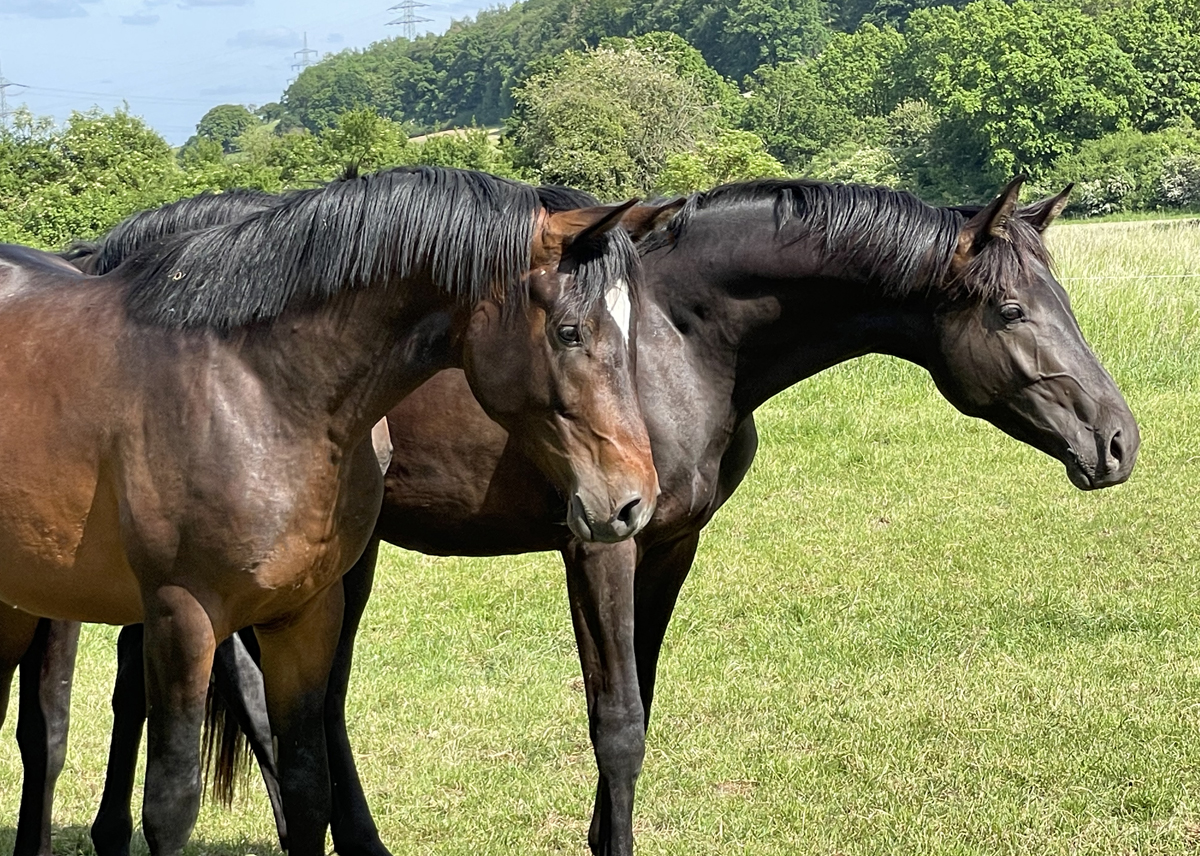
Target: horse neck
x=346 y=363
x=767 y=314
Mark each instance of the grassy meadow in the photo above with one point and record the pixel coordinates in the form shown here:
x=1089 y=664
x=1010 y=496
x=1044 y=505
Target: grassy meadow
x=907 y=633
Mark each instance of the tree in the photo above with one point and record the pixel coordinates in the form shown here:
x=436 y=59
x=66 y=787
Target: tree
x=1016 y=86
x=737 y=36
x=472 y=148
x=802 y=108
x=732 y=156
x=224 y=124
x=366 y=140
x=607 y=120
x=1162 y=38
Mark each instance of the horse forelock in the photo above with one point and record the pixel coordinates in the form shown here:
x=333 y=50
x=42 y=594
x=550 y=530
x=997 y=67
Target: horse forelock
x=1002 y=265
x=470 y=232
x=607 y=267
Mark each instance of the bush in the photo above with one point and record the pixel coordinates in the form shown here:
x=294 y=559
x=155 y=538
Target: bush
x=1179 y=183
x=1131 y=171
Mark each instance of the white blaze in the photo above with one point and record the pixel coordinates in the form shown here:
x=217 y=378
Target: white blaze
x=619 y=307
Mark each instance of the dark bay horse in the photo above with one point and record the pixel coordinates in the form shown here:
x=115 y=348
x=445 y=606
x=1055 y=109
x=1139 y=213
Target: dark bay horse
x=186 y=441
x=751 y=289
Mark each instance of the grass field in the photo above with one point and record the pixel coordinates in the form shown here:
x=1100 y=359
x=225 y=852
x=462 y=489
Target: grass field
x=906 y=633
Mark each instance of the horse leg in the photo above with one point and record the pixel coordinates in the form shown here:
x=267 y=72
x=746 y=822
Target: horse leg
x=177 y=652
x=660 y=576
x=354 y=830
x=240 y=684
x=601 y=592
x=113 y=826
x=296 y=659
x=657 y=581
x=46 y=671
x=17 y=631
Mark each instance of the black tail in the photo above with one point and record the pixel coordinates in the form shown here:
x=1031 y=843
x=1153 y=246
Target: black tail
x=226 y=752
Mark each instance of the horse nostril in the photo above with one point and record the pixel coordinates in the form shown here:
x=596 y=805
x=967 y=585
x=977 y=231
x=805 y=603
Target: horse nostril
x=1116 y=448
x=625 y=515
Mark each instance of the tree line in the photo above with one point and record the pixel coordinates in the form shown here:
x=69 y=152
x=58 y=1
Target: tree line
x=947 y=100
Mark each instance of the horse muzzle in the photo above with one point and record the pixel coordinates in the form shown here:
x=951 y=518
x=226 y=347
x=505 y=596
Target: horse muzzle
x=621 y=519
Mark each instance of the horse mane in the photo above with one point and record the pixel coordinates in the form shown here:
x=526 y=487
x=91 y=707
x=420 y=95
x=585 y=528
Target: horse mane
x=895 y=239
x=472 y=233
x=144 y=228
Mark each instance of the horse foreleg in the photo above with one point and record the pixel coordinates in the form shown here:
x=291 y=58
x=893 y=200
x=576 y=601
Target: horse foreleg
x=601 y=592
x=46 y=671
x=113 y=826
x=239 y=682
x=660 y=576
x=354 y=830
x=178 y=654
x=296 y=658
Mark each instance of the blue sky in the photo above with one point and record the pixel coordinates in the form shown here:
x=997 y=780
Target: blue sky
x=171 y=60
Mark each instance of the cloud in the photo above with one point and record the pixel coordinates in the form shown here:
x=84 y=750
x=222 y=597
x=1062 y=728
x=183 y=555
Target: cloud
x=199 y=4
x=45 y=8
x=335 y=38
x=271 y=37
x=139 y=19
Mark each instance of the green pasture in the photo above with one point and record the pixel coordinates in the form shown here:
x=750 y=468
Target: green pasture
x=907 y=633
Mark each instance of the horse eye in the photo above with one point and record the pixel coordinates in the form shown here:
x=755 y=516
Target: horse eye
x=1011 y=312
x=568 y=334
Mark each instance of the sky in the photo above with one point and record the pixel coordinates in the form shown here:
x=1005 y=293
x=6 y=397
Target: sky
x=171 y=60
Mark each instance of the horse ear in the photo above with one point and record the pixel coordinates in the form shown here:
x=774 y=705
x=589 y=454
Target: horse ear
x=1041 y=214
x=584 y=224
x=991 y=221
x=641 y=220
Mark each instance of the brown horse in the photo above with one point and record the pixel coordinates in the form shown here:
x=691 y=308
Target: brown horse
x=186 y=440
x=752 y=288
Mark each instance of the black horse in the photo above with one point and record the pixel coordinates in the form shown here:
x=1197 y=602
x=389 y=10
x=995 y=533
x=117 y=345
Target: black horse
x=751 y=289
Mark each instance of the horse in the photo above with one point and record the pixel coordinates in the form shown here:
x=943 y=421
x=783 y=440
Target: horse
x=188 y=442
x=748 y=290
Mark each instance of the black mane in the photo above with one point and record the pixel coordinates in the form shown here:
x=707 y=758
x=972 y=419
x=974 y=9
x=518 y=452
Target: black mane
x=144 y=228
x=470 y=231
x=895 y=239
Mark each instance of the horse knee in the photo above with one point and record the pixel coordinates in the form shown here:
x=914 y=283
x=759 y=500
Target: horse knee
x=619 y=740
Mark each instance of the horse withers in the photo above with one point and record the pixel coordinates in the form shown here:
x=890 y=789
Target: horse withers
x=186 y=439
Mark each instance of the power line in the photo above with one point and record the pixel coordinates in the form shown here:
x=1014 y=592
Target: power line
x=126 y=97
x=408 y=18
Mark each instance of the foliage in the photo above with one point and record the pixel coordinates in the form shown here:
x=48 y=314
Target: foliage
x=607 y=120
x=1162 y=38
x=733 y=156
x=224 y=124
x=1017 y=86
x=800 y=109
x=364 y=139
x=1129 y=171
x=737 y=36
x=470 y=148
x=77 y=181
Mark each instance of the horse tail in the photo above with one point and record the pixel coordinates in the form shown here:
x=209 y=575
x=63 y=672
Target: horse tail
x=225 y=749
